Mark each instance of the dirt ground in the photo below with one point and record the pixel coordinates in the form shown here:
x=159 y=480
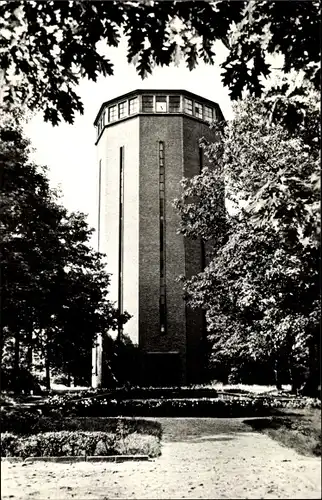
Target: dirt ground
x=201 y=458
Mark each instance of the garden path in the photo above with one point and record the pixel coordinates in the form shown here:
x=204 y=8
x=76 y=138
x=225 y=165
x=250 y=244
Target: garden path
x=201 y=458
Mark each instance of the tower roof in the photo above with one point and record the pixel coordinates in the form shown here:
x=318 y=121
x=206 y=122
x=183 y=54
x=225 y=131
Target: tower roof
x=137 y=92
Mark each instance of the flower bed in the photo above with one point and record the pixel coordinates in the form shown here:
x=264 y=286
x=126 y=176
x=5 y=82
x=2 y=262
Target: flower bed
x=139 y=393
x=78 y=443
x=102 y=404
x=228 y=406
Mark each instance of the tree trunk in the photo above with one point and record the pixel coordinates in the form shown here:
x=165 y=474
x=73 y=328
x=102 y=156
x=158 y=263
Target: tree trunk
x=69 y=378
x=310 y=387
x=293 y=374
x=294 y=379
x=278 y=382
x=47 y=369
x=16 y=359
x=1 y=344
x=29 y=346
x=16 y=362
x=97 y=362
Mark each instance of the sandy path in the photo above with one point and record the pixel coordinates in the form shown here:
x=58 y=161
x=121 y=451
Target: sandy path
x=221 y=460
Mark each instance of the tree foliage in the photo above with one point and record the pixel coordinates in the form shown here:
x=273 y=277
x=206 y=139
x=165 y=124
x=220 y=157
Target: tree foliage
x=47 y=47
x=54 y=286
x=260 y=289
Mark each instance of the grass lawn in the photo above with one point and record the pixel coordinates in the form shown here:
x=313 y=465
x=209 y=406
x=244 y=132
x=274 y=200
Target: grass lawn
x=299 y=429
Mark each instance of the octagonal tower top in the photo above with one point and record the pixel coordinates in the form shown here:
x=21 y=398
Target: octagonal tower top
x=159 y=102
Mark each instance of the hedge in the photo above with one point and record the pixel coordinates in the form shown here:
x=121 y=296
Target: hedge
x=78 y=443
x=231 y=406
x=19 y=421
x=64 y=406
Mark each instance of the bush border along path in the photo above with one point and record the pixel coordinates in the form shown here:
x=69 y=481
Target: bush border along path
x=30 y=435
x=225 y=405
x=78 y=443
x=20 y=421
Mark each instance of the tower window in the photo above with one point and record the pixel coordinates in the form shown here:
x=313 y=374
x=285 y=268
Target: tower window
x=147 y=103
x=198 y=110
x=201 y=158
x=208 y=114
x=174 y=103
x=188 y=106
x=122 y=109
x=112 y=113
x=161 y=104
x=101 y=123
x=133 y=105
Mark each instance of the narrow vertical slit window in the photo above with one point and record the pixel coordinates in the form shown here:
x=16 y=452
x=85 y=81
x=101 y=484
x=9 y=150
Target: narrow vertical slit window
x=121 y=238
x=202 y=243
x=163 y=322
x=99 y=204
x=200 y=160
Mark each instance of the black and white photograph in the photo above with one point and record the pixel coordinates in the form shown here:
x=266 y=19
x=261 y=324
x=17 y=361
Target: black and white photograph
x=160 y=264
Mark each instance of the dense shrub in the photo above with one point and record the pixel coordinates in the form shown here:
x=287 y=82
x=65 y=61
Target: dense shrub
x=53 y=414
x=138 y=444
x=165 y=393
x=20 y=422
x=230 y=406
x=76 y=443
x=19 y=380
x=120 y=361
x=58 y=400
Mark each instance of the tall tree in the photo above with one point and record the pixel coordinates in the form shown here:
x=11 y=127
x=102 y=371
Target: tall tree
x=47 y=47
x=54 y=286
x=260 y=290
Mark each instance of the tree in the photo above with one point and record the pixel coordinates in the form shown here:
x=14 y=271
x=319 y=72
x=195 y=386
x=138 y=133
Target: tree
x=121 y=361
x=54 y=285
x=260 y=289
x=47 y=47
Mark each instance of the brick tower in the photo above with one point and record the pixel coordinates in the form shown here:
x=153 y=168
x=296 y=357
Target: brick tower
x=147 y=141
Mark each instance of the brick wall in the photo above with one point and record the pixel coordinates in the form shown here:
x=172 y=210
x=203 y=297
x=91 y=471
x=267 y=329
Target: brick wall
x=152 y=130
x=185 y=327
x=193 y=131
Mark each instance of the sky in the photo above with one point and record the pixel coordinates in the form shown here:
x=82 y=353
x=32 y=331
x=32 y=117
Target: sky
x=69 y=150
